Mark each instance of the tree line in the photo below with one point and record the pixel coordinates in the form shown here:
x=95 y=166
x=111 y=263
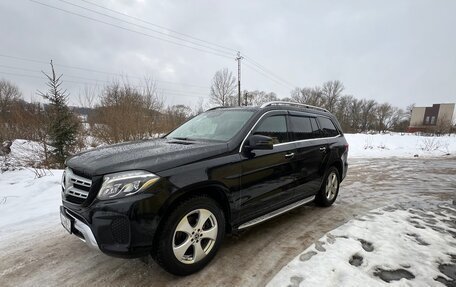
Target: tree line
x=122 y=112
x=354 y=115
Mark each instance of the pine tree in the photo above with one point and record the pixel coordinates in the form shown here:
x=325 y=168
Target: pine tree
x=62 y=125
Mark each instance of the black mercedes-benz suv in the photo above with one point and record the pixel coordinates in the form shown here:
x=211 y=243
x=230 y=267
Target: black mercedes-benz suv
x=223 y=170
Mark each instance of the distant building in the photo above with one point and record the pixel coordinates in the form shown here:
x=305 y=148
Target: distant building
x=439 y=116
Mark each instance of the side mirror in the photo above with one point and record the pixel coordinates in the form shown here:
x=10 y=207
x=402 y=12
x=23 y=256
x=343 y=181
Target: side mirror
x=260 y=142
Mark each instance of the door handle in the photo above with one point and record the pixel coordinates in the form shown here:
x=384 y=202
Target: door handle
x=323 y=149
x=289 y=155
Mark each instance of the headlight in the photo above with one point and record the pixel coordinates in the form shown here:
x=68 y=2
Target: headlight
x=122 y=184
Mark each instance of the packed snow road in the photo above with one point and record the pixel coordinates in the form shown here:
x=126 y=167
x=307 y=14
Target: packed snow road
x=51 y=257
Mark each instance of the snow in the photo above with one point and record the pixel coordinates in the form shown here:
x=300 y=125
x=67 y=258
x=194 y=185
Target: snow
x=23 y=153
x=399 y=145
x=414 y=241
x=27 y=203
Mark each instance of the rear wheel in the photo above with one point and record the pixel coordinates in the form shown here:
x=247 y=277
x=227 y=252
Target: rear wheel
x=191 y=236
x=329 y=189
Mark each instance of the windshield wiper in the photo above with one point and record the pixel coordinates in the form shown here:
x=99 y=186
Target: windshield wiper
x=183 y=139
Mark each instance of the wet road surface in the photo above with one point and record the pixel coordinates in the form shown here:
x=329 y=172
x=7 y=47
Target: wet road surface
x=53 y=258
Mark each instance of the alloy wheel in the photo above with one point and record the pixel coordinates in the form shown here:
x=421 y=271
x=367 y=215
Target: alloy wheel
x=195 y=236
x=331 y=186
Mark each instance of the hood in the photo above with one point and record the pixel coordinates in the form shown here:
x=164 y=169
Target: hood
x=151 y=155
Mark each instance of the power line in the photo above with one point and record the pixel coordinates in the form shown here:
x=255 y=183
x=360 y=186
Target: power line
x=144 y=27
x=130 y=30
x=211 y=51
x=265 y=75
x=173 y=92
x=259 y=68
x=158 y=26
x=264 y=69
x=152 y=24
x=97 y=71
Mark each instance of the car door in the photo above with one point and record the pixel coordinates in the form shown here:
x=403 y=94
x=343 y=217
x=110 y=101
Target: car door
x=267 y=175
x=311 y=153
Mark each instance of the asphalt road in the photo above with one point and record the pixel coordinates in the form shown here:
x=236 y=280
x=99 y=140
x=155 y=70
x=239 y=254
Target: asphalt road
x=54 y=258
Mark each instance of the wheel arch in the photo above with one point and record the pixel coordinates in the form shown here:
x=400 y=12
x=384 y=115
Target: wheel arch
x=338 y=165
x=213 y=190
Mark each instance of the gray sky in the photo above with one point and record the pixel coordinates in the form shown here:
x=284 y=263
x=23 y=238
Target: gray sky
x=400 y=52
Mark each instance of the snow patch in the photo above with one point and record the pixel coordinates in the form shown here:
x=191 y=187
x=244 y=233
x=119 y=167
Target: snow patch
x=392 y=246
x=399 y=145
x=27 y=203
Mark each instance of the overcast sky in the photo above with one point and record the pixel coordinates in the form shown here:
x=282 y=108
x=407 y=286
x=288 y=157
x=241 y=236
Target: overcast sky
x=400 y=52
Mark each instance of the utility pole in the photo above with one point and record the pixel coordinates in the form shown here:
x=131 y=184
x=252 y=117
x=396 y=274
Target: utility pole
x=238 y=59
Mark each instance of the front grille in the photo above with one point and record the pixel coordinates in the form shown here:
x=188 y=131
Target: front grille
x=76 y=187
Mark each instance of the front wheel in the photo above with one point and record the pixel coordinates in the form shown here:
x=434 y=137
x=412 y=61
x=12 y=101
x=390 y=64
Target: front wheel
x=329 y=189
x=191 y=236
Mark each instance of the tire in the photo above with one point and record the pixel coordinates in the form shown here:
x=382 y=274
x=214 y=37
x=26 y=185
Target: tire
x=329 y=188
x=191 y=236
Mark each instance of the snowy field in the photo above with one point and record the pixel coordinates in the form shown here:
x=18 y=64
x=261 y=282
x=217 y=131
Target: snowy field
x=28 y=203
x=395 y=245
x=399 y=145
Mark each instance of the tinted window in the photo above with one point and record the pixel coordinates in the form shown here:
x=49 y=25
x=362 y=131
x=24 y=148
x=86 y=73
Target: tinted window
x=327 y=126
x=301 y=128
x=274 y=127
x=315 y=129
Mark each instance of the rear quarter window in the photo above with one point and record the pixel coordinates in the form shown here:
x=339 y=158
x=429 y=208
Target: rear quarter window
x=328 y=129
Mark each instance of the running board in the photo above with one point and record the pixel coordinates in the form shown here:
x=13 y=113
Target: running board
x=276 y=212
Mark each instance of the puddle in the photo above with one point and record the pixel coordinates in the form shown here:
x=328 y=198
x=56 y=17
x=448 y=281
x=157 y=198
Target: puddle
x=307 y=256
x=366 y=245
x=295 y=281
x=356 y=260
x=450 y=271
x=393 y=275
x=418 y=239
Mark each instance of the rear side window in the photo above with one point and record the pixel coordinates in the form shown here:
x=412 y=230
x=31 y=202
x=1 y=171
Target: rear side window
x=274 y=127
x=301 y=128
x=318 y=133
x=327 y=127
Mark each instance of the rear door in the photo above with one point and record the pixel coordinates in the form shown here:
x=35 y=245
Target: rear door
x=311 y=153
x=268 y=175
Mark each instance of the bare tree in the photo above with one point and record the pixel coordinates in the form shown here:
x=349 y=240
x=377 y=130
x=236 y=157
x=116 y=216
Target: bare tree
x=9 y=94
x=257 y=98
x=87 y=98
x=223 y=89
x=343 y=112
x=368 y=114
x=127 y=113
x=355 y=114
x=384 y=114
x=331 y=92
x=310 y=96
x=176 y=115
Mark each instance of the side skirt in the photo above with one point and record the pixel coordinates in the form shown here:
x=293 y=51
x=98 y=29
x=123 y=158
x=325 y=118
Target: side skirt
x=276 y=212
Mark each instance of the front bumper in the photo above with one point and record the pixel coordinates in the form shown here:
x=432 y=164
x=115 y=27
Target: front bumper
x=122 y=228
x=82 y=231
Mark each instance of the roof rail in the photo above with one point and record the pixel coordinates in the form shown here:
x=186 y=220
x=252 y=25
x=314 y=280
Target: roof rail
x=217 y=107
x=278 y=103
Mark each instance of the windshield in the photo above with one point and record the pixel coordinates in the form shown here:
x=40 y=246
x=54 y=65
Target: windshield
x=218 y=125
